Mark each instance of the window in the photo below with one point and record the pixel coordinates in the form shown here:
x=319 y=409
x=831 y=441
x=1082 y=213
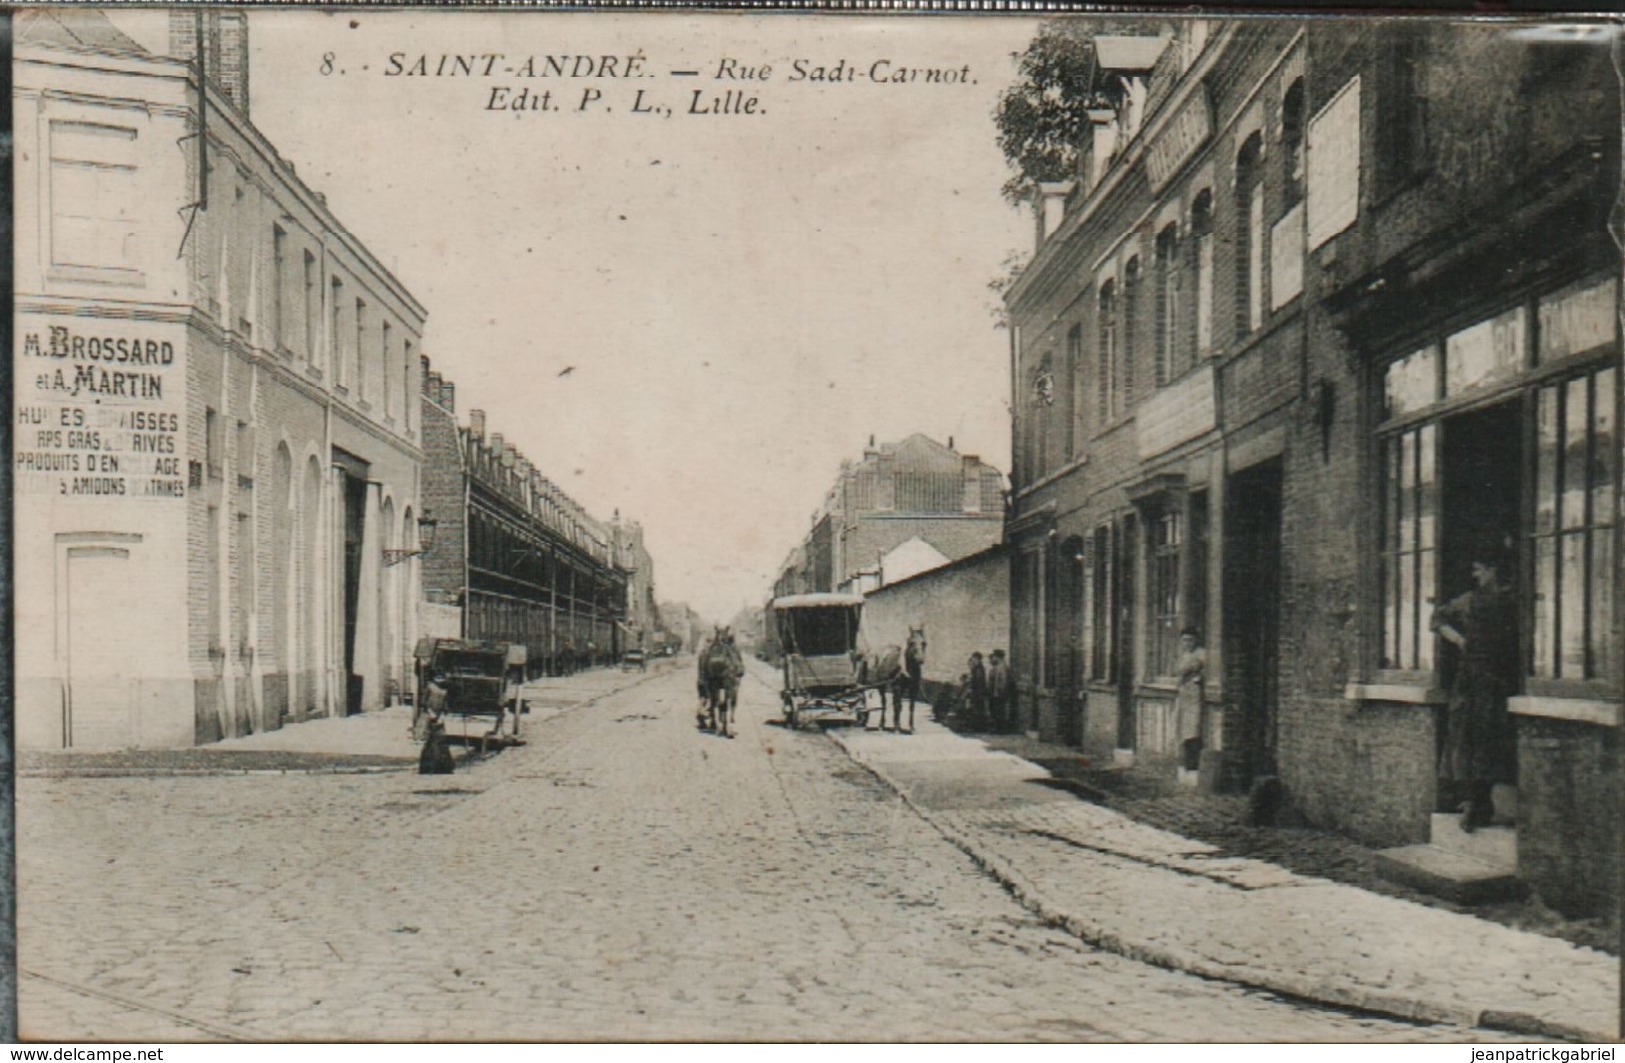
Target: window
x=214 y=444
x=1167 y=538
x=1572 y=536
x=1409 y=547
x=1127 y=351
x=1074 y=374
x=409 y=385
x=313 y=308
x=335 y=335
x=1292 y=122
x=1042 y=396
x=1249 y=238
x=95 y=197
x=1170 y=294
x=384 y=331
x=1202 y=246
x=279 y=266
x=1401 y=135
x=360 y=351
x=1108 y=398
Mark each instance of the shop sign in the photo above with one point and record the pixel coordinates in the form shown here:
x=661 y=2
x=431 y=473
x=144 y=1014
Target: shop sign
x=1179 y=140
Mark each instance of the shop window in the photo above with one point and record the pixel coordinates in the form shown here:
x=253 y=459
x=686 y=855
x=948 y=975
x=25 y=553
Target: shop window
x=1170 y=295
x=1202 y=248
x=1572 y=535
x=1411 y=383
x=1100 y=606
x=1166 y=540
x=1577 y=319
x=1486 y=354
x=1409 y=547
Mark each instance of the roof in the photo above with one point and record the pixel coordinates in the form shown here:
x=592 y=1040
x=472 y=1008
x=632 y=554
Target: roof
x=1124 y=54
x=75 y=28
x=818 y=601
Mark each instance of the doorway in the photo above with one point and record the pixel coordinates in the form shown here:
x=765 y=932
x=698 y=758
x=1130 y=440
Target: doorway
x=1252 y=610
x=1481 y=495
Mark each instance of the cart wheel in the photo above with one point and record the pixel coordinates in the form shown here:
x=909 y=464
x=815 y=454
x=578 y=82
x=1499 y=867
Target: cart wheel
x=863 y=721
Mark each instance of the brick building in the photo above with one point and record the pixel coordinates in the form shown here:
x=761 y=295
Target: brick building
x=1330 y=313
x=520 y=560
x=912 y=501
x=217 y=440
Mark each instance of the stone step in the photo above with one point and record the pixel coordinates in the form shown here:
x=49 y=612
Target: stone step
x=1496 y=846
x=1448 y=874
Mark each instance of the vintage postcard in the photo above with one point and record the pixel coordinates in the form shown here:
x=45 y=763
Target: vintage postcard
x=719 y=526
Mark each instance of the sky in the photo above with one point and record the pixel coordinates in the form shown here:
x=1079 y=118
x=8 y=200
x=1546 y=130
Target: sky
x=690 y=319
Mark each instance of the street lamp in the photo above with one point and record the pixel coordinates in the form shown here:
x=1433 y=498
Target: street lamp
x=426 y=529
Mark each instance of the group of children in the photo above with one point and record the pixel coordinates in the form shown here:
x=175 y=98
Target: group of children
x=984 y=693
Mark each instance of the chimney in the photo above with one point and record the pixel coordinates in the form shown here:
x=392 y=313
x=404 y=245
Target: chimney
x=435 y=384
x=423 y=379
x=1049 y=207
x=225 y=48
x=972 y=466
x=448 y=396
x=496 y=445
x=476 y=424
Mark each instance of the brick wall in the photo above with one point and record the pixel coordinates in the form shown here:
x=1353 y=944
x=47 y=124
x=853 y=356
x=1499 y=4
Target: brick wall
x=964 y=608
x=1568 y=823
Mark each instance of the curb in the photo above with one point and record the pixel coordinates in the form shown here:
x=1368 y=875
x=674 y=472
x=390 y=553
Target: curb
x=1187 y=961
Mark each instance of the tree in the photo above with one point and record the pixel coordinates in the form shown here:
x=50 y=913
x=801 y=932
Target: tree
x=1043 y=119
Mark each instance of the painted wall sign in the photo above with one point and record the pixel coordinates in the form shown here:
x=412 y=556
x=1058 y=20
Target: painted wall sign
x=99 y=411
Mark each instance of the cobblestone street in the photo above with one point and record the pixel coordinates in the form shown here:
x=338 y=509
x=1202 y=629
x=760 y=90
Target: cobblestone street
x=622 y=876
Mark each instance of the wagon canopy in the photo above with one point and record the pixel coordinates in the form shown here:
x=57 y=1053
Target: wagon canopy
x=818 y=625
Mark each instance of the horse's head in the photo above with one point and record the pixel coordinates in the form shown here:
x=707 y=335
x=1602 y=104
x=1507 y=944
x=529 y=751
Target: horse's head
x=916 y=643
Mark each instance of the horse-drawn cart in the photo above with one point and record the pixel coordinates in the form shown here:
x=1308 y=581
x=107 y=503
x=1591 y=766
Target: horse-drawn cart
x=823 y=668
x=468 y=681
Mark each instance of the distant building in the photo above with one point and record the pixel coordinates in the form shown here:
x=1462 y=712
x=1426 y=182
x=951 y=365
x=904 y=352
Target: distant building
x=641 y=623
x=216 y=454
x=912 y=501
x=517 y=558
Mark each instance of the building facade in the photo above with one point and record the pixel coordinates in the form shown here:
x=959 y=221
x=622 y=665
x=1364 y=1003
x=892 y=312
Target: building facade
x=217 y=436
x=641 y=626
x=1328 y=315
x=517 y=558
x=915 y=503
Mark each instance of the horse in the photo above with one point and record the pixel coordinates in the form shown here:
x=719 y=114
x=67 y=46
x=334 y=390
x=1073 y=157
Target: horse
x=720 y=667
x=898 y=669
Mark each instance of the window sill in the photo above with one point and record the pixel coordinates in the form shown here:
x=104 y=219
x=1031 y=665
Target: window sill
x=115 y=276
x=1599 y=711
x=1157 y=688
x=1420 y=694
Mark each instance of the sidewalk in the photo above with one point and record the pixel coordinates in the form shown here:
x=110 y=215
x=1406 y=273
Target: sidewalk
x=379 y=741
x=1164 y=899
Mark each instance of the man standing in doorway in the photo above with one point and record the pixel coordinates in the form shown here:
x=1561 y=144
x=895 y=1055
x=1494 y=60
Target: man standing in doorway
x=1480 y=746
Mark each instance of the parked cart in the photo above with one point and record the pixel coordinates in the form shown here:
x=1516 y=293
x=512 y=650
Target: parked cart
x=460 y=681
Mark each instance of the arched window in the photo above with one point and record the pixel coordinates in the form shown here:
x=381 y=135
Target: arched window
x=1170 y=309
x=1249 y=237
x=1201 y=242
x=1131 y=321
x=1292 y=119
x=1106 y=354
